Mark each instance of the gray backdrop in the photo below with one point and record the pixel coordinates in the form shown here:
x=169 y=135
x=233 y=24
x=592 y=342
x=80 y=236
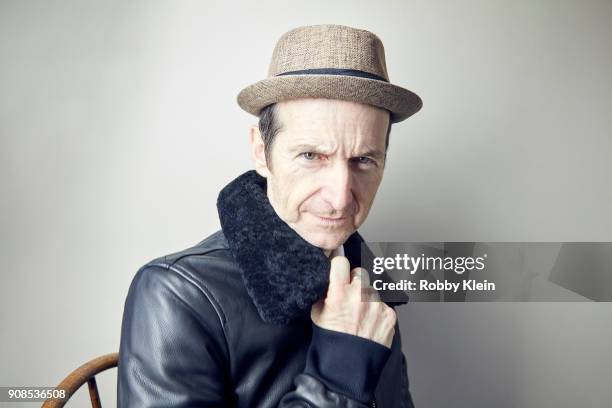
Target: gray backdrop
x=119 y=126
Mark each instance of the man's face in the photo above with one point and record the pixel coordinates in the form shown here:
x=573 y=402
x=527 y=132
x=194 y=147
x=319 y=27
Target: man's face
x=327 y=162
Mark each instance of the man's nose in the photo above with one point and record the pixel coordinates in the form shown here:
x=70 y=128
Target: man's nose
x=339 y=187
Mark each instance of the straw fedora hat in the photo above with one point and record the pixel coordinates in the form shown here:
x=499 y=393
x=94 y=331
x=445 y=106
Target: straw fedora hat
x=334 y=62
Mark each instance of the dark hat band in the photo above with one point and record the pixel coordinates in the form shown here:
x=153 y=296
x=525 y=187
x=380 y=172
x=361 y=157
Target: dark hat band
x=334 y=71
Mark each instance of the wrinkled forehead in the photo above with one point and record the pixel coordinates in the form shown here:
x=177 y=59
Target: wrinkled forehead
x=329 y=121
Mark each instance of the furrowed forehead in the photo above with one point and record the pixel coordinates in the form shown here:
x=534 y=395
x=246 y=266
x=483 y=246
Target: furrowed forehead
x=324 y=125
x=308 y=110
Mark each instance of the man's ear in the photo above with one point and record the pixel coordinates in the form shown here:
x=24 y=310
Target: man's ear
x=258 y=151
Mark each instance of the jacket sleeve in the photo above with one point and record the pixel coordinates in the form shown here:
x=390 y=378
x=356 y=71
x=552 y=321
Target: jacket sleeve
x=405 y=396
x=341 y=370
x=161 y=367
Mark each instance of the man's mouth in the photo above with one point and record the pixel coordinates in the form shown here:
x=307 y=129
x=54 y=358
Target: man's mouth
x=331 y=221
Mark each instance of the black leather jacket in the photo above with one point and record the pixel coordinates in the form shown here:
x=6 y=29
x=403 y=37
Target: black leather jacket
x=199 y=331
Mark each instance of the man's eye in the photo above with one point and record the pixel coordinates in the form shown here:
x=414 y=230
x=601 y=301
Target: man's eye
x=363 y=160
x=309 y=155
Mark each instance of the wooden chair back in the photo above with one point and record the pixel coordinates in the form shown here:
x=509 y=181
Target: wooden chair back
x=84 y=374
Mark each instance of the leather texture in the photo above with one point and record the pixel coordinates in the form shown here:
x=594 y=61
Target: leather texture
x=192 y=337
x=226 y=323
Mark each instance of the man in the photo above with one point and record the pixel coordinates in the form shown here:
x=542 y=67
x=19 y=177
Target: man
x=257 y=315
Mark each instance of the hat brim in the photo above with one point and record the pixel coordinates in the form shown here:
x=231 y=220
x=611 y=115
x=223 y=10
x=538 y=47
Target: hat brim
x=401 y=102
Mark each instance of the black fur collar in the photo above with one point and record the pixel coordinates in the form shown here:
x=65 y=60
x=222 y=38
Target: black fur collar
x=283 y=274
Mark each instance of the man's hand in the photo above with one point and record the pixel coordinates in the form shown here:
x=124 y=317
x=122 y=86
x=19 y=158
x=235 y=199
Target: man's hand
x=343 y=310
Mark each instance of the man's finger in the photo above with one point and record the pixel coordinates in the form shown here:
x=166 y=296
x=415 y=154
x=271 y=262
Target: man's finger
x=315 y=311
x=362 y=274
x=339 y=274
x=369 y=294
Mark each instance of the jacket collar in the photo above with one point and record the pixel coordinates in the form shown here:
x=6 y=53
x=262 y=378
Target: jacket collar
x=283 y=274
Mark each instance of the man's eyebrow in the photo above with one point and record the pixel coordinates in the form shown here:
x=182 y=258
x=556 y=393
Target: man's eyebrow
x=375 y=153
x=306 y=147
